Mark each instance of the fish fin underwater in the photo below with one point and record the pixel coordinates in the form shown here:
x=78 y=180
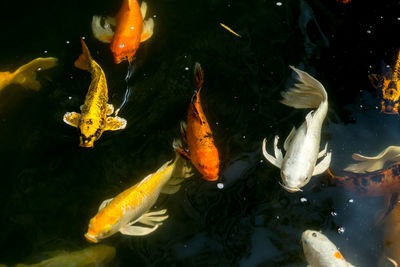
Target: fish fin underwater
x=26 y=74
x=102 y=28
x=370 y=164
x=115 y=123
x=273 y=159
x=323 y=165
x=178 y=147
x=148 y=27
x=307 y=94
x=84 y=60
x=105 y=203
x=153 y=219
x=72 y=118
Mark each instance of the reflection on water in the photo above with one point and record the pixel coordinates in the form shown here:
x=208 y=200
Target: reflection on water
x=51 y=187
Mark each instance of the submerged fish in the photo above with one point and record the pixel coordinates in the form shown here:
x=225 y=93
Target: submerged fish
x=370 y=177
x=132 y=206
x=302 y=146
x=320 y=251
x=198 y=135
x=391 y=235
x=98 y=255
x=26 y=74
x=388 y=86
x=95 y=112
x=130 y=30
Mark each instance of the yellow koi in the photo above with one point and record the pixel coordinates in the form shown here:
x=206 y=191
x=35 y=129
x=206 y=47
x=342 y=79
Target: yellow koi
x=120 y=214
x=26 y=74
x=95 y=112
x=230 y=30
x=98 y=255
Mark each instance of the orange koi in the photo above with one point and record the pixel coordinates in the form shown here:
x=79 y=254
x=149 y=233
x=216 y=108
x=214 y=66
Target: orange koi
x=120 y=214
x=130 y=30
x=198 y=135
x=388 y=86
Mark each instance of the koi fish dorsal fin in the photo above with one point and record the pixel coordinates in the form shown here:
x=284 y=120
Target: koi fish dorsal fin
x=26 y=74
x=104 y=33
x=84 y=60
x=147 y=32
x=370 y=164
x=396 y=70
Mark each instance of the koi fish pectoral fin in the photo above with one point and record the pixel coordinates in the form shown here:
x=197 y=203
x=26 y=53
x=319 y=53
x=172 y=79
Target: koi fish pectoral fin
x=147 y=32
x=110 y=109
x=323 y=151
x=177 y=145
x=323 y=165
x=72 y=118
x=183 y=130
x=270 y=158
x=143 y=9
x=154 y=218
x=103 y=33
x=137 y=230
x=374 y=79
x=105 y=203
x=277 y=151
x=115 y=123
x=289 y=138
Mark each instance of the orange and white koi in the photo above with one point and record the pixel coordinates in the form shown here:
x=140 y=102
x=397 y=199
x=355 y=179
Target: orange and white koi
x=198 y=135
x=98 y=255
x=320 y=251
x=95 y=117
x=26 y=74
x=120 y=214
x=370 y=177
x=130 y=30
x=388 y=86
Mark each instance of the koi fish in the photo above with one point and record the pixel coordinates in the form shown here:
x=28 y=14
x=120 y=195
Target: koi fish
x=26 y=74
x=391 y=236
x=301 y=146
x=98 y=255
x=95 y=117
x=132 y=205
x=130 y=30
x=388 y=86
x=198 y=135
x=369 y=177
x=320 y=251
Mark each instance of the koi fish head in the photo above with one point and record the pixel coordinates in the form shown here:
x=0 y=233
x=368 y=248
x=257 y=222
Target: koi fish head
x=88 y=134
x=209 y=165
x=124 y=49
x=293 y=182
x=99 y=229
x=86 y=141
x=319 y=249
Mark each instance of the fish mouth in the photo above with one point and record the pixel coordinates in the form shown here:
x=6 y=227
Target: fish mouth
x=86 y=144
x=91 y=238
x=291 y=189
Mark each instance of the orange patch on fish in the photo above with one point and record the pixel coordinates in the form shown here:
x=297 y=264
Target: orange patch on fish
x=338 y=255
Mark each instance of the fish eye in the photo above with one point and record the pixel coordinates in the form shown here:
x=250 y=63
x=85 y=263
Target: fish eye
x=314 y=234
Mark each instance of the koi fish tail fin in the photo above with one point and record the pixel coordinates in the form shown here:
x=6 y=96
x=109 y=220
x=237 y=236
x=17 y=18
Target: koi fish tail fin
x=198 y=76
x=181 y=171
x=370 y=164
x=396 y=70
x=26 y=74
x=103 y=31
x=308 y=93
x=84 y=60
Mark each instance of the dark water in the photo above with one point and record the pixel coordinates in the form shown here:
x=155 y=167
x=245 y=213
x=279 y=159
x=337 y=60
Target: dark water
x=50 y=187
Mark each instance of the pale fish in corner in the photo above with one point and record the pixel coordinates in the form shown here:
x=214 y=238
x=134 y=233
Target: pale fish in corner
x=302 y=145
x=26 y=74
x=320 y=251
x=98 y=255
